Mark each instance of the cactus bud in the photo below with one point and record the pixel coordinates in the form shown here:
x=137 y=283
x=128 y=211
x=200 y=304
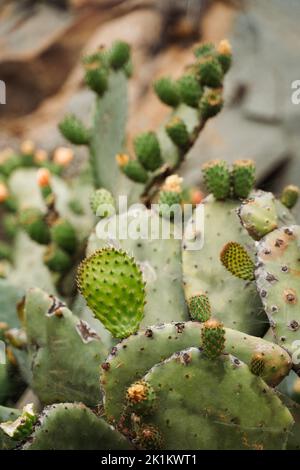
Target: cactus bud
x=96 y=75
x=43 y=177
x=178 y=133
x=190 y=90
x=290 y=196
x=73 y=129
x=173 y=183
x=4 y=193
x=103 y=203
x=148 y=438
x=167 y=92
x=40 y=156
x=211 y=103
x=224 y=54
x=257 y=364
x=243 y=177
x=169 y=203
x=217 y=178
x=63 y=156
x=22 y=426
x=64 y=235
x=141 y=397
x=135 y=171
x=27 y=147
x=32 y=220
x=147 y=149
x=199 y=308
x=210 y=72
x=213 y=338
x=56 y=259
x=237 y=261
x=119 y=54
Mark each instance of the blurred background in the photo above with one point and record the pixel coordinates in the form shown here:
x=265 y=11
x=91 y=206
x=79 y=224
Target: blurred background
x=42 y=43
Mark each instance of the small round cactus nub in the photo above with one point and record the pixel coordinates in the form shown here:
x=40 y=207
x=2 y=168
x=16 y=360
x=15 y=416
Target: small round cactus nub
x=32 y=220
x=199 y=308
x=22 y=426
x=211 y=103
x=134 y=170
x=178 y=133
x=190 y=90
x=210 y=72
x=290 y=196
x=119 y=54
x=237 y=261
x=73 y=129
x=243 y=177
x=96 y=76
x=57 y=259
x=217 y=178
x=167 y=91
x=203 y=49
x=213 y=338
x=103 y=203
x=113 y=287
x=147 y=149
x=141 y=397
x=224 y=51
x=257 y=364
x=63 y=156
x=64 y=235
x=148 y=438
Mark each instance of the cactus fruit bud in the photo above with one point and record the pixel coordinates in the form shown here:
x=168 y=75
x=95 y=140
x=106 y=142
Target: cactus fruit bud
x=199 y=308
x=147 y=149
x=148 y=438
x=40 y=156
x=210 y=71
x=73 y=129
x=169 y=203
x=27 y=147
x=224 y=51
x=243 y=177
x=258 y=214
x=141 y=397
x=119 y=54
x=32 y=220
x=237 y=261
x=63 y=156
x=190 y=90
x=167 y=92
x=43 y=177
x=103 y=203
x=257 y=364
x=173 y=183
x=178 y=133
x=133 y=170
x=113 y=287
x=290 y=196
x=56 y=259
x=4 y=193
x=22 y=426
x=211 y=103
x=96 y=75
x=217 y=178
x=204 y=49
x=213 y=338
x=64 y=235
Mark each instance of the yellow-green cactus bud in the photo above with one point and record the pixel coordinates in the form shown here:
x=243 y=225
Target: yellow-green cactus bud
x=103 y=203
x=178 y=133
x=119 y=54
x=73 y=129
x=56 y=259
x=64 y=235
x=147 y=149
x=211 y=103
x=190 y=90
x=213 y=338
x=237 y=261
x=290 y=196
x=217 y=178
x=167 y=91
x=199 y=308
x=243 y=177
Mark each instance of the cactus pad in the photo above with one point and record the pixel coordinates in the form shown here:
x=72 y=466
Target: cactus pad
x=258 y=214
x=199 y=308
x=217 y=178
x=237 y=261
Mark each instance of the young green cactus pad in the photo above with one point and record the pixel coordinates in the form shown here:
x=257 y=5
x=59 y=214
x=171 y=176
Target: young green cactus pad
x=217 y=178
x=65 y=352
x=167 y=91
x=234 y=301
x=113 y=288
x=72 y=426
x=213 y=338
x=277 y=278
x=64 y=235
x=159 y=258
x=237 y=261
x=243 y=177
x=157 y=343
x=22 y=426
x=199 y=308
x=257 y=364
x=189 y=417
x=147 y=150
x=141 y=397
x=32 y=220
x=258 y=214
x=74 y=130
x=102 y=203
x=290 y=196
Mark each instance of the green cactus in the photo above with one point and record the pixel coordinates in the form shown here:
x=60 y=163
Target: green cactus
x=243 y=176
x=213 y=338
x=22 y=426
x=102 y=203
x=140 y=398
x=74 y=130
x=7 y=414
x=199 y=308
x=217 y=178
